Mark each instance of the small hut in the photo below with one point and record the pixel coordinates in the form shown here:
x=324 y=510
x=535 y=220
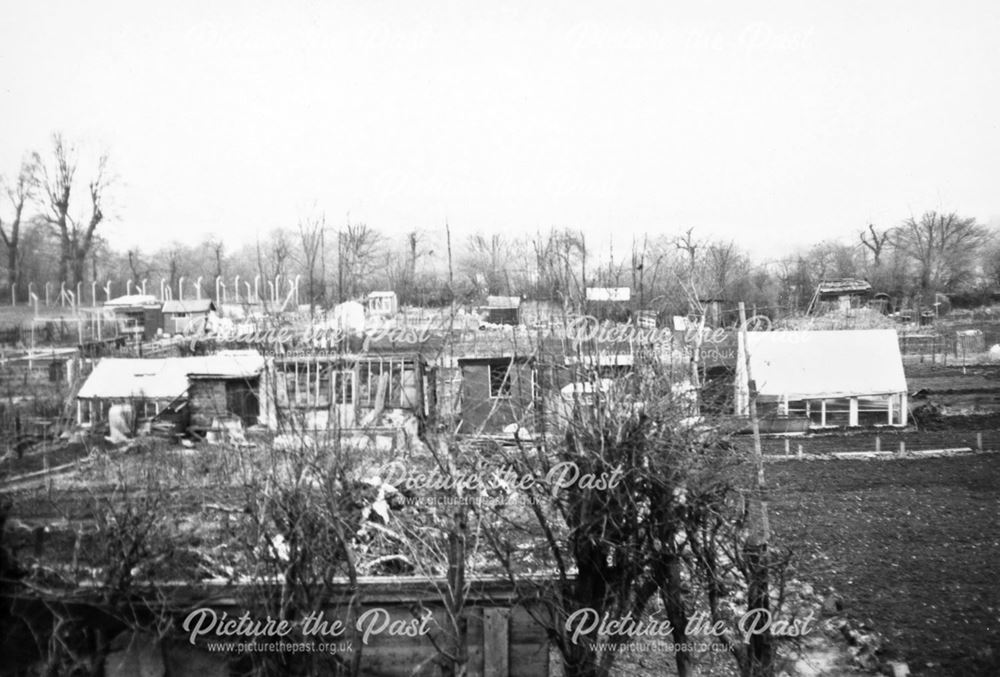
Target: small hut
x=503 y=310
x=137 y=315
x=179 y=315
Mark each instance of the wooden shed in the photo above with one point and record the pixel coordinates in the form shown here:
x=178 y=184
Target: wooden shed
x=609 y=303
x=178 y=315
x=225 y=384
x=138 y=315
x=382 y=303
x=503 y=310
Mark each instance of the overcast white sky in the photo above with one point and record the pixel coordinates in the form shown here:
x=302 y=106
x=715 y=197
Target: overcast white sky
x=775 y=124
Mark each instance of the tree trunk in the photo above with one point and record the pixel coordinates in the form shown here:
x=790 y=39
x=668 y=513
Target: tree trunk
x=673 y=600
x=456 y=664
x=13 y=270
x=761 y=644
x=79 y=268
x=65 y=257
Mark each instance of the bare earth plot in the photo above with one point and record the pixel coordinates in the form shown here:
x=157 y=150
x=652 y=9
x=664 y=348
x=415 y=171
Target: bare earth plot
x=913 y=546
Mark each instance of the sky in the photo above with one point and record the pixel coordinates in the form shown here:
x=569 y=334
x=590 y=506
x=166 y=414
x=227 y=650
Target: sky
x=775 y=124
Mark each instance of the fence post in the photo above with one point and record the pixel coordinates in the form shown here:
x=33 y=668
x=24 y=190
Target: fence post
x=878 y=444
x=496 y=630
x=979 y=441
x=902 y=448
x=800 y=451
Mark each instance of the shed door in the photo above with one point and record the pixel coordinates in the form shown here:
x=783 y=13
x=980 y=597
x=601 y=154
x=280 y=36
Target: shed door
x=242 y=400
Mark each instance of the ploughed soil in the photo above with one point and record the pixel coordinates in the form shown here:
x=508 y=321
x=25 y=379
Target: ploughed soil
x=912 y=546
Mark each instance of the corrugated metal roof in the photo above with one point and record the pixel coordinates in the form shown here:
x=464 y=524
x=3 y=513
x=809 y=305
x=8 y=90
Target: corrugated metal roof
x=844 y=286
x=188 y=306
x=166 y=378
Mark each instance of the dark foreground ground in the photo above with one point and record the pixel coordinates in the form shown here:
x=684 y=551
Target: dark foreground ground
x=913 y=547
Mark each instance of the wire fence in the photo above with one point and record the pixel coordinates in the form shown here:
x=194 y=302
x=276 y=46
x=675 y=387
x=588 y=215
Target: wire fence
x=887 y=441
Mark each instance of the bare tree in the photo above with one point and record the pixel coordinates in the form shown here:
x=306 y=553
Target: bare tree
x=140 y=269
x=20 y=193
x=311 y=238
x=942 y=246
x=690 y=245
x=404 y=271
x=358 y=247
x=557 y=257
x=76 y=235
x=725 y=265
x=275 y=261
x=218 y=247
x=830 y=259
x=666 y=520
x=875 y=243
x=485 y=262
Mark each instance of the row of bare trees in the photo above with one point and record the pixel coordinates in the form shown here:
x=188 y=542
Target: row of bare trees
x=54 y=207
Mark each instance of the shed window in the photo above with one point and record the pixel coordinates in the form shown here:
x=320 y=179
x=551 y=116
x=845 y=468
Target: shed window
x=398 y=374
x=317 y=385
x=500 y=380
x=343 y=387
x=146 y=409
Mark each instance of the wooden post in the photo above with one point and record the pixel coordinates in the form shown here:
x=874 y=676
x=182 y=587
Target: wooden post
x=902 y=447
x=761 y=649
x=496 y=642
x=878 y=444
x=788 y=445
x=979 y=441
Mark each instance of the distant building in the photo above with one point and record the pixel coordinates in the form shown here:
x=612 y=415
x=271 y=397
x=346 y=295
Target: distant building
x=609 y=303
x=495 y=392
x=503 y=310
x=845 y=293
x=504 y=385
x=137 y=315
x=384 y=303
x=179 y=315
